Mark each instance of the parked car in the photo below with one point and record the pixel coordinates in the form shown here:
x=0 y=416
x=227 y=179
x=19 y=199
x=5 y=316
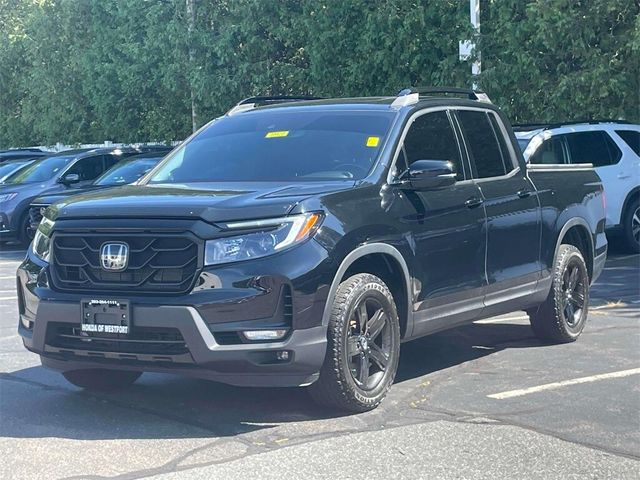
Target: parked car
x=21 y=154
x=124 y=172
x=9 y=167
x=294 y=243
x=55 y=173
x=612 y=147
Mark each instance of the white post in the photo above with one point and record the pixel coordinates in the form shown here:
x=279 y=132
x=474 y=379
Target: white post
x=474 y=10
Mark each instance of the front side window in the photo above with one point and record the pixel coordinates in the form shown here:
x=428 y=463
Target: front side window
x=87 y=168
x=595 y=147
x=431 y=137
x=484 y=149
x=280 y=146
x=550 y=152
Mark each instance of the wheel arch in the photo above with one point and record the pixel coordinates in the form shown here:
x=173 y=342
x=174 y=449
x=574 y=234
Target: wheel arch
x=371 y=258
x=631 y=196
x=576 y=232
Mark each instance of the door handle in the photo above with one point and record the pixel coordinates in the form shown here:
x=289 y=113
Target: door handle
x=473 y=202
x=524 y=193
x=623 y=175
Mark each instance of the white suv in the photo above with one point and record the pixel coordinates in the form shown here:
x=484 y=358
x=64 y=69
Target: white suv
x=613 y=147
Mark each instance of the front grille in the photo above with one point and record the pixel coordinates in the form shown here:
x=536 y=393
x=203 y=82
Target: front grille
x=141 y=341
x=158 y=263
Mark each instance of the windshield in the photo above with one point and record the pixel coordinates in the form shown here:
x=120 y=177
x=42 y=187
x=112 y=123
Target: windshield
x=523 y=142
x=126 y=171
x=8 y=168
x=40 y=170
x=280 y=146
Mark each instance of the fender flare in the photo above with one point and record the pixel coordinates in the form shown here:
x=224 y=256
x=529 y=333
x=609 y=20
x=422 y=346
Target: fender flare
x=576 y=221
x=360 y=252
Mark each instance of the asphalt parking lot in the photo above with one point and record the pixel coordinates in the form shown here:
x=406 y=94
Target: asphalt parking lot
x=483 y=401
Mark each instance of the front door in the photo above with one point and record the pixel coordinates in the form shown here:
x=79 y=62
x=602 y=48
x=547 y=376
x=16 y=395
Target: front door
x=447 y=229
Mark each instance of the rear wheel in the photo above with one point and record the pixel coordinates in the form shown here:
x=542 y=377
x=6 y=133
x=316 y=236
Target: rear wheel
x=363 y=346
x=631 y=226
x=101 y=379
x=562 y=317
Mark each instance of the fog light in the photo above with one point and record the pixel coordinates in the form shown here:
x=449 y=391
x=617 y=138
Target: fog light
x=26 y=323
x=262 y=335
x=282 y=356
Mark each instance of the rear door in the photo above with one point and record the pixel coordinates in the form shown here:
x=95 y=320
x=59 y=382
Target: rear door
x=598 y=148
x=447 y=228
x=510 y=201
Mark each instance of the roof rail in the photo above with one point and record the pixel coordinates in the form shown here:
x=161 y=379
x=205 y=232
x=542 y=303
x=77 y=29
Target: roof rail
x=253 y=102
x=412 y=95
x=523 y=127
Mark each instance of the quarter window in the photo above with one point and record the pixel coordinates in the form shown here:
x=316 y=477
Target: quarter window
x=595 y=147
x=431 y=137
x=631 y=138
x=482 y=144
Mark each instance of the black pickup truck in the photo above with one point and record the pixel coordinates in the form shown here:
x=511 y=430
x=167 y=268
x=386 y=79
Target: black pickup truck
x=299 y=242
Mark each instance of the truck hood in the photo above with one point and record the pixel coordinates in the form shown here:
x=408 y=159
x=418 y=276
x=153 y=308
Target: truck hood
x=210 y=202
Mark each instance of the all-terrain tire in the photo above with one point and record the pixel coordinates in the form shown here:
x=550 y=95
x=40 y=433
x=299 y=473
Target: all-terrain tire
x=337 y=388
x=562 y=317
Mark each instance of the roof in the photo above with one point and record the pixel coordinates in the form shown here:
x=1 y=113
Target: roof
x=409 y=97
x=147 y=155
x=81 y=152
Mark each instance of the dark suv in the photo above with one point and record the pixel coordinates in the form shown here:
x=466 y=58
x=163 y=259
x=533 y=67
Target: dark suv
x=55 y=173
x=293 y=243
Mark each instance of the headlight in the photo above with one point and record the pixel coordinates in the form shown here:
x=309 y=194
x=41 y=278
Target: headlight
x=5 y=197
x=262 y=238
x=40 y=246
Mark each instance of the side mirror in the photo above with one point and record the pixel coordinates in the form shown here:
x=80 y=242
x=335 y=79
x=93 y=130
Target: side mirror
x=429 y=175
x=70 y=178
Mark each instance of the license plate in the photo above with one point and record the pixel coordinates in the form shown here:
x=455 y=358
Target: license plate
x=105 y=317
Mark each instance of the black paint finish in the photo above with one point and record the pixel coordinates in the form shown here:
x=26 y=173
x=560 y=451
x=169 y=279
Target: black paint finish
x=475 y=249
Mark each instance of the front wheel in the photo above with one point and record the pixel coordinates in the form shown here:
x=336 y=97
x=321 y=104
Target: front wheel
x=102 y=380
x=363 y=346
x=562 y=317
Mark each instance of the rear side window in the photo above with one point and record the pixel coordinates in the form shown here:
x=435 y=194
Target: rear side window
x=550 y=152
x=482 y=144
x=431 y=137
x=593 y=147
x=631 y=138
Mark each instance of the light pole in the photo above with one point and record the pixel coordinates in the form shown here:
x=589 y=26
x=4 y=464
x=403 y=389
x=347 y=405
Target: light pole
x=476 y=66
x=466 y=47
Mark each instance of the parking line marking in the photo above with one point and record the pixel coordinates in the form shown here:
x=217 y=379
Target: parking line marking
x=9 y=298
x=564 y=383
x=8 y=277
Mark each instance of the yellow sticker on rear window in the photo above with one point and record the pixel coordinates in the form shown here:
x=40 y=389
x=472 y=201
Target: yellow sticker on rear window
x=373 y=141
x=277 y=134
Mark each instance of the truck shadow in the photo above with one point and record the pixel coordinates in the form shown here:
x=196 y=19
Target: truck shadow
x=36 y=402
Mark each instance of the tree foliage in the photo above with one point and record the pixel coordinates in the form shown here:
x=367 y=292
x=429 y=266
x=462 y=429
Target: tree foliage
x=121 y=70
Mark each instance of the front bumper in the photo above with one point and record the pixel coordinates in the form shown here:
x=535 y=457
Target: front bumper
x=6 y=231
x=236 y=299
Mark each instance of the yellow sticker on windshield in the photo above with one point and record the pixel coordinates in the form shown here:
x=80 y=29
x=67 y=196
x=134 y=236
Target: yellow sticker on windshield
x=277 y=134
x=373 y=141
